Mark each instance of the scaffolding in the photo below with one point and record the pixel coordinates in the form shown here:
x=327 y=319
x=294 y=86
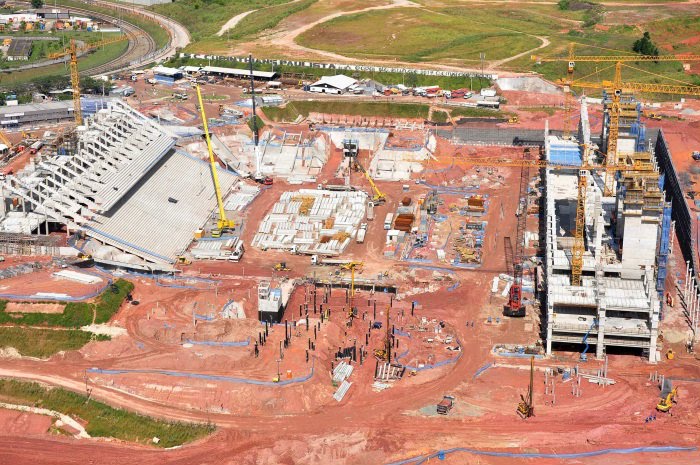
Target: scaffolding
x=23 y=244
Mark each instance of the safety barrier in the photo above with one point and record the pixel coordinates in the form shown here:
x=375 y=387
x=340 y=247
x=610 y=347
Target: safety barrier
x=160 y=280
x=228 y=379
x=398 y=332
x=68 y=298
x=432 y=268
x=539 y=455
x=442 y=363
x=453 y=287
x=351 y=129
x=219 y=344
x=481 y=370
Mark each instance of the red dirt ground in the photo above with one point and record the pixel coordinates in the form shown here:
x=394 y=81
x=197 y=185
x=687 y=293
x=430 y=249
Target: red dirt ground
x=300 y=424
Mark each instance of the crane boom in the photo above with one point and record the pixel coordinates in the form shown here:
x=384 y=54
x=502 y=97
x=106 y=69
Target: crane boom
x=5 y=140
x=379 y=196
x=614 y=58
x=223 y=222
x=641 y=87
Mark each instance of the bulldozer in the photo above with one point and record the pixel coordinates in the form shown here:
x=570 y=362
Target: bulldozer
x=667 y=402
x=381 y=354
x=513 y=119
x=652 y=115
x=281 y=266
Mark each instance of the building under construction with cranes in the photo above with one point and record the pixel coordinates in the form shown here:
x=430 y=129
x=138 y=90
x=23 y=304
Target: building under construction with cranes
x=613 y=302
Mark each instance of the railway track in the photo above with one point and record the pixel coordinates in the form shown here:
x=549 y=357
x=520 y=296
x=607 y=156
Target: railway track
x=140 y=45
x=140 y=51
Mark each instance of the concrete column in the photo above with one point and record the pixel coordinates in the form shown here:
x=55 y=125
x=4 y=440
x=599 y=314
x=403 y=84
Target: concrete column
x=550 y=318
x=600 y=282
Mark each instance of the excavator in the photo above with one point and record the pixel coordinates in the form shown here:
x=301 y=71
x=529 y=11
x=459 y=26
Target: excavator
x=667 y=402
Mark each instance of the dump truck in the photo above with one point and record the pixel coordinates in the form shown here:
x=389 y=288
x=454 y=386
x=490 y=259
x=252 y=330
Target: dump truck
x=361 y=233
x=445 y=405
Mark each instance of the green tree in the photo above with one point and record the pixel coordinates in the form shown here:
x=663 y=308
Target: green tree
x=645 y=46
x=564 y=4
x=37 y=3
x=48 y=83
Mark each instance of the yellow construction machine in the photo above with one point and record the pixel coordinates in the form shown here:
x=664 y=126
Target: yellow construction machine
x=379 y=197
x=526 y=407
x=223 y=223
x=72 y=53
x=281 y=266
x=667 y=402
x=513 y=119
x=670 y=354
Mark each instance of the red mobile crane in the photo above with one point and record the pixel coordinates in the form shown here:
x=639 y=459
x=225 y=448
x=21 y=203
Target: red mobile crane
x=515 y=306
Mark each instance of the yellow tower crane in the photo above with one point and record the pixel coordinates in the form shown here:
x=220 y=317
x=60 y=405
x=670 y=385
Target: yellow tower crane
x=72 y=52
x=615 y=89
x=222 y=223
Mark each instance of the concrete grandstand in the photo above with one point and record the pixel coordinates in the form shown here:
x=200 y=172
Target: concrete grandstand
x=132 y=198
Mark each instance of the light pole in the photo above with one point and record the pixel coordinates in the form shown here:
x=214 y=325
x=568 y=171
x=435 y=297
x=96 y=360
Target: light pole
x=279 y=376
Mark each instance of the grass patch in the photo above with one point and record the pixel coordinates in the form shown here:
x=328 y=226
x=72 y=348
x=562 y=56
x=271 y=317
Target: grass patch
x=103 y=420
x=477 y=113
x=204 y=18
x=548 y=110
x=415 y=35
x=439 y=116
x=43 y=343
x=258 y=122
x=75 y=314
x=267 y=18
x=292 y=110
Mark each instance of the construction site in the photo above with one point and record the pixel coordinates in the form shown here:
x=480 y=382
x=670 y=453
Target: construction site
x=339 y=290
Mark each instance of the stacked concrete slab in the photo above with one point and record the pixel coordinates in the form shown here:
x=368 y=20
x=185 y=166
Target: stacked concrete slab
x=312 y=221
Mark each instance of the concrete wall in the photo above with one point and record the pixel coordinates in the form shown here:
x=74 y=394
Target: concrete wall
x=639 y=247
x=681 y=214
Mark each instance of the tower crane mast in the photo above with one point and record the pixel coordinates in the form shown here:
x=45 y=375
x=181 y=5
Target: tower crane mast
x=72 y=53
